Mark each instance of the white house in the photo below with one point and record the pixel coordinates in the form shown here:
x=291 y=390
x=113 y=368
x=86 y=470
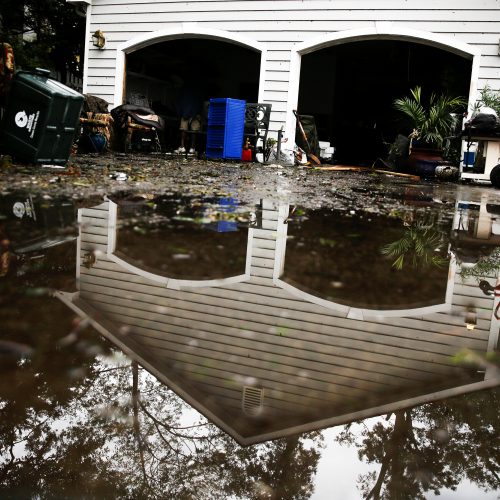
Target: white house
x=342 y=61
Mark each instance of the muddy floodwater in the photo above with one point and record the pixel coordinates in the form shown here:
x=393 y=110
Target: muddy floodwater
x=221 y=331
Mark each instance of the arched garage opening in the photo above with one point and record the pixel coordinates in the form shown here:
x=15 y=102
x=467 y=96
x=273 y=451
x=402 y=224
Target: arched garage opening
x=153 y=69
x=353 y=102
x=348 y=81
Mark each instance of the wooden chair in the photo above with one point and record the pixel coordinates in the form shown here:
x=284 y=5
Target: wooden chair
x=137 y=128
x=146 y=138
x=257 y=116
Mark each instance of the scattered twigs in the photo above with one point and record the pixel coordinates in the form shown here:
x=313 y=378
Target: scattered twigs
x=349 y=168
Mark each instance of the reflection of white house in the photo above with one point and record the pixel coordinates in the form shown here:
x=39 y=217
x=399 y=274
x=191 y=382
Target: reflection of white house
x=282 y=33
x=263 y=362
x=476 y=225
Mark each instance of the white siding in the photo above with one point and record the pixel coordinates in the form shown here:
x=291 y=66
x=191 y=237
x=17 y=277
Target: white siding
x=279 y=25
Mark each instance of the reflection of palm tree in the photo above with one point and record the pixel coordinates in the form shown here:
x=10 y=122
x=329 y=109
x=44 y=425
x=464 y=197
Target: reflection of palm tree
x=420 y=243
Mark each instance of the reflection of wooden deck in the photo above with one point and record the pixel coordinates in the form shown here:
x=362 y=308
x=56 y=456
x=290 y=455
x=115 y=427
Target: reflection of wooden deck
x=314 y=364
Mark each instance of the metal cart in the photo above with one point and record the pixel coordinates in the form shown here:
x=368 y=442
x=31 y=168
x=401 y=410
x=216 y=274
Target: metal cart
x=483 y=165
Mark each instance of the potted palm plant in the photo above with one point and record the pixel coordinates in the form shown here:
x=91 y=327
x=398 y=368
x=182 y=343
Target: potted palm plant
x=432 y=124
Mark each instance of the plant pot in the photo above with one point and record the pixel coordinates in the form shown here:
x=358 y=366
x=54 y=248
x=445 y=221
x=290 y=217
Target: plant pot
x=424 y=156
x=426 y=168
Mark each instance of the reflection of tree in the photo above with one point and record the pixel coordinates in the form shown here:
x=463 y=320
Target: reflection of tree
x=281 y=469
x=37 y=411
x=486 y=266
x=432 y=447
x=419 y=244
x=108 y=429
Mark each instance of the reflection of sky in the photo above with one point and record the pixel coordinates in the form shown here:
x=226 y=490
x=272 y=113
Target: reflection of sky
x=339 y=468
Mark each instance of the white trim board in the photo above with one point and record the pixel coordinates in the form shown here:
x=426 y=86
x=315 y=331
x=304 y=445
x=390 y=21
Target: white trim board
x=88 y=38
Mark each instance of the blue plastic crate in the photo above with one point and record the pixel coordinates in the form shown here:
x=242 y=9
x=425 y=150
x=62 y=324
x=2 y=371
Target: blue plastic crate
x=215 y=136
x=223 y=226
x=226 y=124
x=216 y=113
x=469 y=158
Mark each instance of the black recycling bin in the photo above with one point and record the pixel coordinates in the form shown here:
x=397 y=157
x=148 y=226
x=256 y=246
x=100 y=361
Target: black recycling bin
x=40 y=119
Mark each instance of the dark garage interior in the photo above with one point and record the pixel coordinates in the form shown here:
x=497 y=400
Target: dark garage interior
x=156 y=74
x=350 y=90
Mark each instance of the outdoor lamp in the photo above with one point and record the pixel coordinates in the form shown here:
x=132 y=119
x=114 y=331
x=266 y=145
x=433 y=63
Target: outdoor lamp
x=89 y=259
x=470 y=319
x=98 y=39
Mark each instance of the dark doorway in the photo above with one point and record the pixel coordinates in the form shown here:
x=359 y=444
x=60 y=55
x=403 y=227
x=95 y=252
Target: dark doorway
x=350 y=90
x=156 y=74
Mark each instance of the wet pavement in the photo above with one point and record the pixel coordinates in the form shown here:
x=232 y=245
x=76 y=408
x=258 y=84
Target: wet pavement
x=176 y=329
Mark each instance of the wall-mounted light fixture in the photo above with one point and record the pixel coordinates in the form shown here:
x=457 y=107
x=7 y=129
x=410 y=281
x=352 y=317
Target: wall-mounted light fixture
x=470 y=319
x=89 y=259
x=98 y=39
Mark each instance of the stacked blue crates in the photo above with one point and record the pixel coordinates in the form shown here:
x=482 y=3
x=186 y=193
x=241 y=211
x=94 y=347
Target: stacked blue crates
x=226 y=124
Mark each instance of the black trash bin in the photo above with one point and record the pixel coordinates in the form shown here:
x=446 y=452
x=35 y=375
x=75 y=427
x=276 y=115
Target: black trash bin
x=40 y=119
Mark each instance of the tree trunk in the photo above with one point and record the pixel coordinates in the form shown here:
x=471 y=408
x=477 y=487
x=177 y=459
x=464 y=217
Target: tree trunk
x=137 y=425
x=283 y=468
x=392 y=461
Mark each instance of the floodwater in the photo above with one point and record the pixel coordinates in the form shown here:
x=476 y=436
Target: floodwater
x=199 y=347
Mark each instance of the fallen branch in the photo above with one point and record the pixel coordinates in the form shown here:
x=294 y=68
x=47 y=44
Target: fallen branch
x=349 y=168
